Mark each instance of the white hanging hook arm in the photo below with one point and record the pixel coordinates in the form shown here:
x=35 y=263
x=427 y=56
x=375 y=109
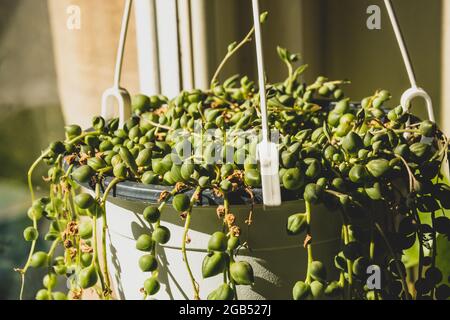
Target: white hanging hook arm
x=261 y=73
x=267 y=151
x=401 y=43
x=414 y=91
x=122 y=41
x=117 y=95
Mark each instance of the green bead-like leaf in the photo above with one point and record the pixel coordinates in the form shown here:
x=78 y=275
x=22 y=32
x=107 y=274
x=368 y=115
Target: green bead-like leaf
x=313 y=193
x=151 y=286
x=301 y=291
x=378 y=168
x=214 y=264
x=242 y=273
x=218 y=242
x=293 y=179
x=352 y=143
x=318 y=271
x=88 y=277
x=181 y=202
x=297 y=224
x=223 y=293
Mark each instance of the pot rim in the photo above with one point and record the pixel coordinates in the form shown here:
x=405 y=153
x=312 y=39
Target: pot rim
x=137 y=191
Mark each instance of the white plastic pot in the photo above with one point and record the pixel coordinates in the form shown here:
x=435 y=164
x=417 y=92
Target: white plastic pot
x=278 y=260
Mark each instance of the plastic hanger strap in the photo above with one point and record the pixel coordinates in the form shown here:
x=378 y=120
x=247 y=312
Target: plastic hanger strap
x=268 y=154
x=116 y=93
x=122 y=41
x=414 y=91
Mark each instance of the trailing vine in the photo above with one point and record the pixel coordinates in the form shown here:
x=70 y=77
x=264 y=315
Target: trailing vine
x=380 y=168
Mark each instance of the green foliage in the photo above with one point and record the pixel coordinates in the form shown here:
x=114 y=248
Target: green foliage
x=354 y=159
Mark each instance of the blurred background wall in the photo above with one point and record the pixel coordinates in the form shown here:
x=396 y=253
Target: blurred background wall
x=331 y=35
x=50 y=74
x=30 y=117
x=333 y=39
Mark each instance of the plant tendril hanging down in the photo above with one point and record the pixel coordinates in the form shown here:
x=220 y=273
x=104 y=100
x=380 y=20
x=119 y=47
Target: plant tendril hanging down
x=353 y=159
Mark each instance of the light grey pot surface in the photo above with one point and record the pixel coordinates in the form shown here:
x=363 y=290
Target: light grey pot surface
x=278 y=260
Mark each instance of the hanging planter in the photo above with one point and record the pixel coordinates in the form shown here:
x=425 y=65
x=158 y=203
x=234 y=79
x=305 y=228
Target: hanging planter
x=171 y=205
x=269 y=246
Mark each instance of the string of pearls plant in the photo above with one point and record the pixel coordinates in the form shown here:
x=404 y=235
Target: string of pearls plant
x=379 y=168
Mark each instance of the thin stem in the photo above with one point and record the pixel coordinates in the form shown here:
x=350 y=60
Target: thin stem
x=443 y=150
x=213 y=95
x=30 y=173
x=22 y=285
x=164 y=203
x=342 y=273
x=45 y=154
x=230 y=54
x=290 y=80
x=226 y=205
x=420 y=237
x=372 y=245
x=78 y=253
x=95 y=260
x=346 y=236
x=159 y=126
x=232 y=283
x=27 y=264
x=399 y=131
x=50 y=258
x=342 y=279
x=349 y=262
x=397 y=264
x=51 y=252
x=67 y=205
x=183 y=244
x=33 y=243
x=113 y=183
x=372 y=251
x=372 y=236
x=434 y=250
x=74 y=207
x=105 y=229
x=411 y=176
x=308 y=247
